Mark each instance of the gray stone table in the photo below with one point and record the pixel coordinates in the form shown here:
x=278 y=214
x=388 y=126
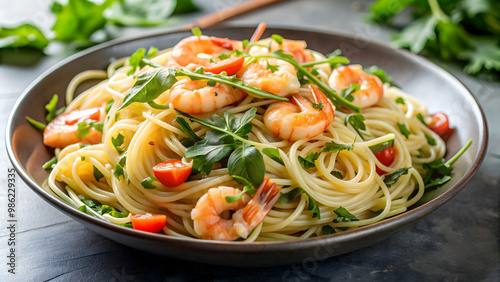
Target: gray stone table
x=457 y=242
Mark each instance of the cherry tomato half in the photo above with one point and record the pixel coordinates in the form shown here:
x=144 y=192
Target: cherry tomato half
x=148 y=222
x=386 y=157
x=172 y=173
x=441 y=125
x=231 y=66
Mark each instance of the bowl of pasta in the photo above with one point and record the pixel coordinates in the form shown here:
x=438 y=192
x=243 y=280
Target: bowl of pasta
x=240 y=147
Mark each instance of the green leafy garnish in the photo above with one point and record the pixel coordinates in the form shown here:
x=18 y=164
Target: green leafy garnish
x=357 y=123
x=403 y=129
x=400 y=100
x=118 y=171
x=347 y=92
x=377 y=148
x=147 y=182
x=99 y=208
x=438 y=172
x=274 y=154
x=109 y=104
x=431 y=141
x=294 y=193
x=393 y=177
x=84 y=128
x=337 y=174
x=272 y=68
x=228 y=138
x=196 y=31
x=97 y=174
x=277 y=38
x=318 y=106
x=421 y=118
x=343 y=216
x=36 y=124
x=327 y=230
x=248 y=188
x=52 y=112
x=50 y=163
x=333 y=59
x=24 y=35
x=118 y=142
x=309 y=161
x=332 y=147
x=380 y=73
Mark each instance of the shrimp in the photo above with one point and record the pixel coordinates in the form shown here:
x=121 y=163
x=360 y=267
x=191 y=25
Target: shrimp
x=371 y=90
x=195 y=51
x=196 y=97
x=282 y=82
x=299 y=118
x=249 y=213
x=63 y=130
x=296 y=48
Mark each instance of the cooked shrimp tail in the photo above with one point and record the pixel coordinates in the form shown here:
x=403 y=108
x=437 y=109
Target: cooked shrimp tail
x=261 y=203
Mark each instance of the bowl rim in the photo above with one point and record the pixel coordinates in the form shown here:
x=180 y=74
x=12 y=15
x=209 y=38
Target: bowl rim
x=345 y=236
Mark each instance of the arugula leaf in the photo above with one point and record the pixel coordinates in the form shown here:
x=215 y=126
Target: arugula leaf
x=118 y=142
x=393 y=177
x=380 y=73
x=333 y=147
x=343 y=216
x=24 y=35
x=403 y=129
x=204 y=155
x=272 y=68
x=294 y=193
x=347 y=92
x=147 y=182
x=377 y=148
x=357 y=123
x=186 y=128
x=84 y=128
x=149 y=86
x=309 y=161
x=439 y=171
x=36 y=124
x=327 y=230
x=274 y=154
x=50 y=163
x=248 y=188
x=247 y=162
x=97 y=174
x=99 y=208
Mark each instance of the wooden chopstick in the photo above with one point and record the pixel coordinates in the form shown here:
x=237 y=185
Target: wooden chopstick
x=220 y=16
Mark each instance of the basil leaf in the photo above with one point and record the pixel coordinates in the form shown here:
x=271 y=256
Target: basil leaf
x=119 y=171
x=24 y=35
x=97 y=174
x=294 y=193
x=377 y=148
x=149 y=86
x=337 y=174
x=135 y=60
x=393 y=177
x=403 y=129
x=147 y=183
x=274 y=154
x=332 y=147
x=343 y=216
x=309 y=161
x=247 y=162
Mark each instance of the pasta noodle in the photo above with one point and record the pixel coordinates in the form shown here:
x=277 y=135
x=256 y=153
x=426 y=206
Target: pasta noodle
x=151 y=136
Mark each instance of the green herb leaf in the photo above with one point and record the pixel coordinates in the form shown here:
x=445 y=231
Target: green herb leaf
x=36 y=124
x=277 y=38
x=327 y=230
x=247 y=162
x=416 y=35
x=274 y=154
x=309 y=161
x=400 y=100
x=50 y=163
x=136 y=59
x=393 y=177
x=147 y=183
x=24 y=35
x=332 y=147
x=403 y=129
x=343 y=216
x=272 y=68
x=196 y=31
x=318 y=106
x=97 y=174
x=380 y=73
x=333 y=59
x=118 y=171
x=484 y=55
x=84 y=128
x=431 y=141
x=109 y=104
x=421 y=118
x=51 y=109
x=357 y=123
x=186 y=128
x=248 y=188
x=294 y=193
x=149 y=86
x=347 y=93
x=337 y=174
x=118 y=142
x=384 y=10
x=377 y=148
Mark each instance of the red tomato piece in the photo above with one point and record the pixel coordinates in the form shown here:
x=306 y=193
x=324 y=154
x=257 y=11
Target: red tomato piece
x=386 y=157
x=231 y=66
x=225 y=43
x=148 y=222
x=172 y=173
x=63 y=130
x=441 y=125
